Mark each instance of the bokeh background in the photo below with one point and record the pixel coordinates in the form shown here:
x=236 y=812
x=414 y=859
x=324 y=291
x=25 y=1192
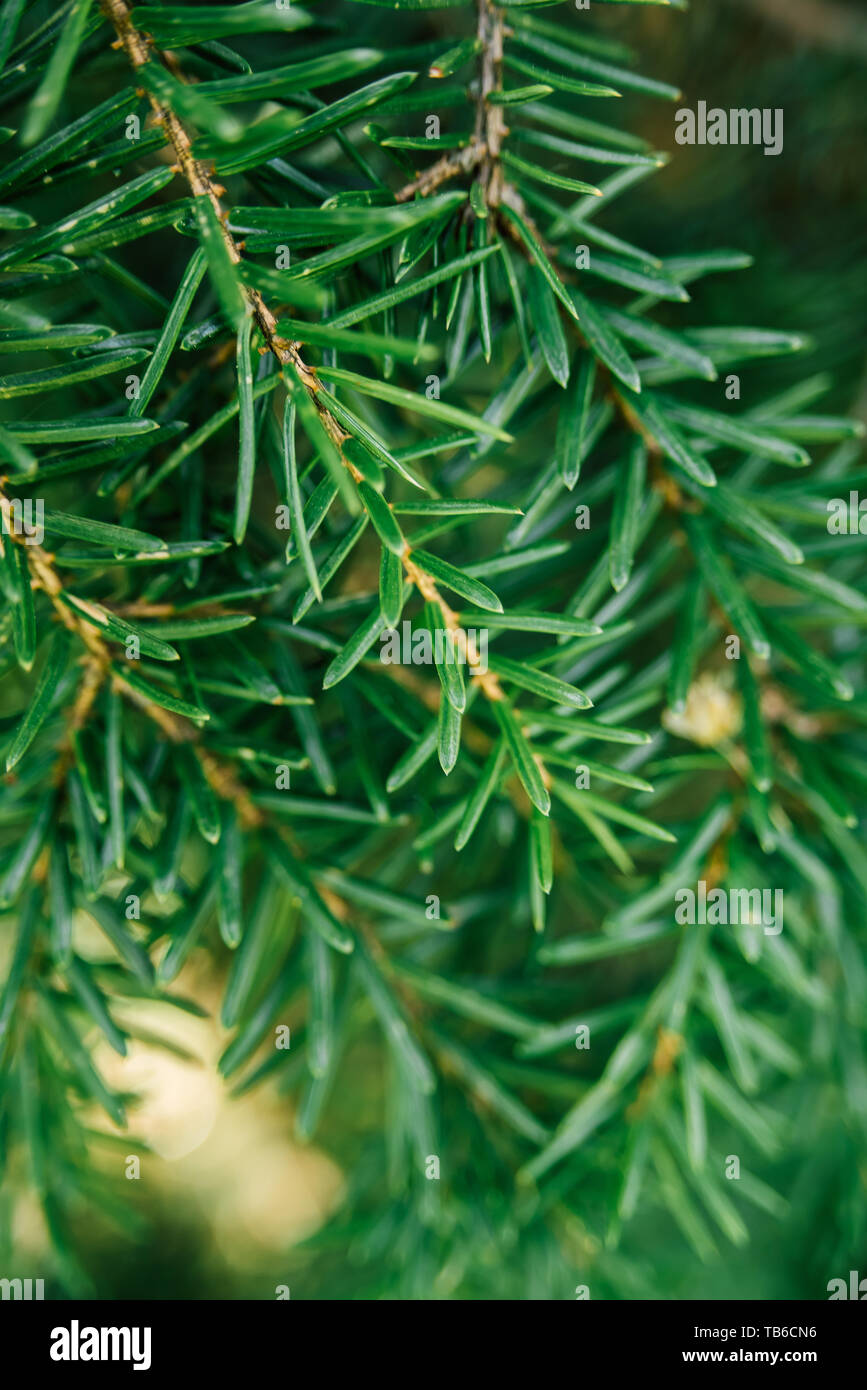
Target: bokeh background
x=227 y=1198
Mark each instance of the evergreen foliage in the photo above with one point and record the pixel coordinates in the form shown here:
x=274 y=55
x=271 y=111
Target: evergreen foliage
x=311 y=327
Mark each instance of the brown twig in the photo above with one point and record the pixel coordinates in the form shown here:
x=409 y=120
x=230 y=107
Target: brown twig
x=490 y=123
x=446 y=168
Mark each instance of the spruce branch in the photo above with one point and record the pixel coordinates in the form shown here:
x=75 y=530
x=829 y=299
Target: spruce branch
x=474 y=868
x=99 y=666
x=201 y=184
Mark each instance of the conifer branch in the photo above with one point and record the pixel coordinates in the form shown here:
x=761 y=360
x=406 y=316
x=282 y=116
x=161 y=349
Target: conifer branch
x=202 y=185
x=464 y=886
